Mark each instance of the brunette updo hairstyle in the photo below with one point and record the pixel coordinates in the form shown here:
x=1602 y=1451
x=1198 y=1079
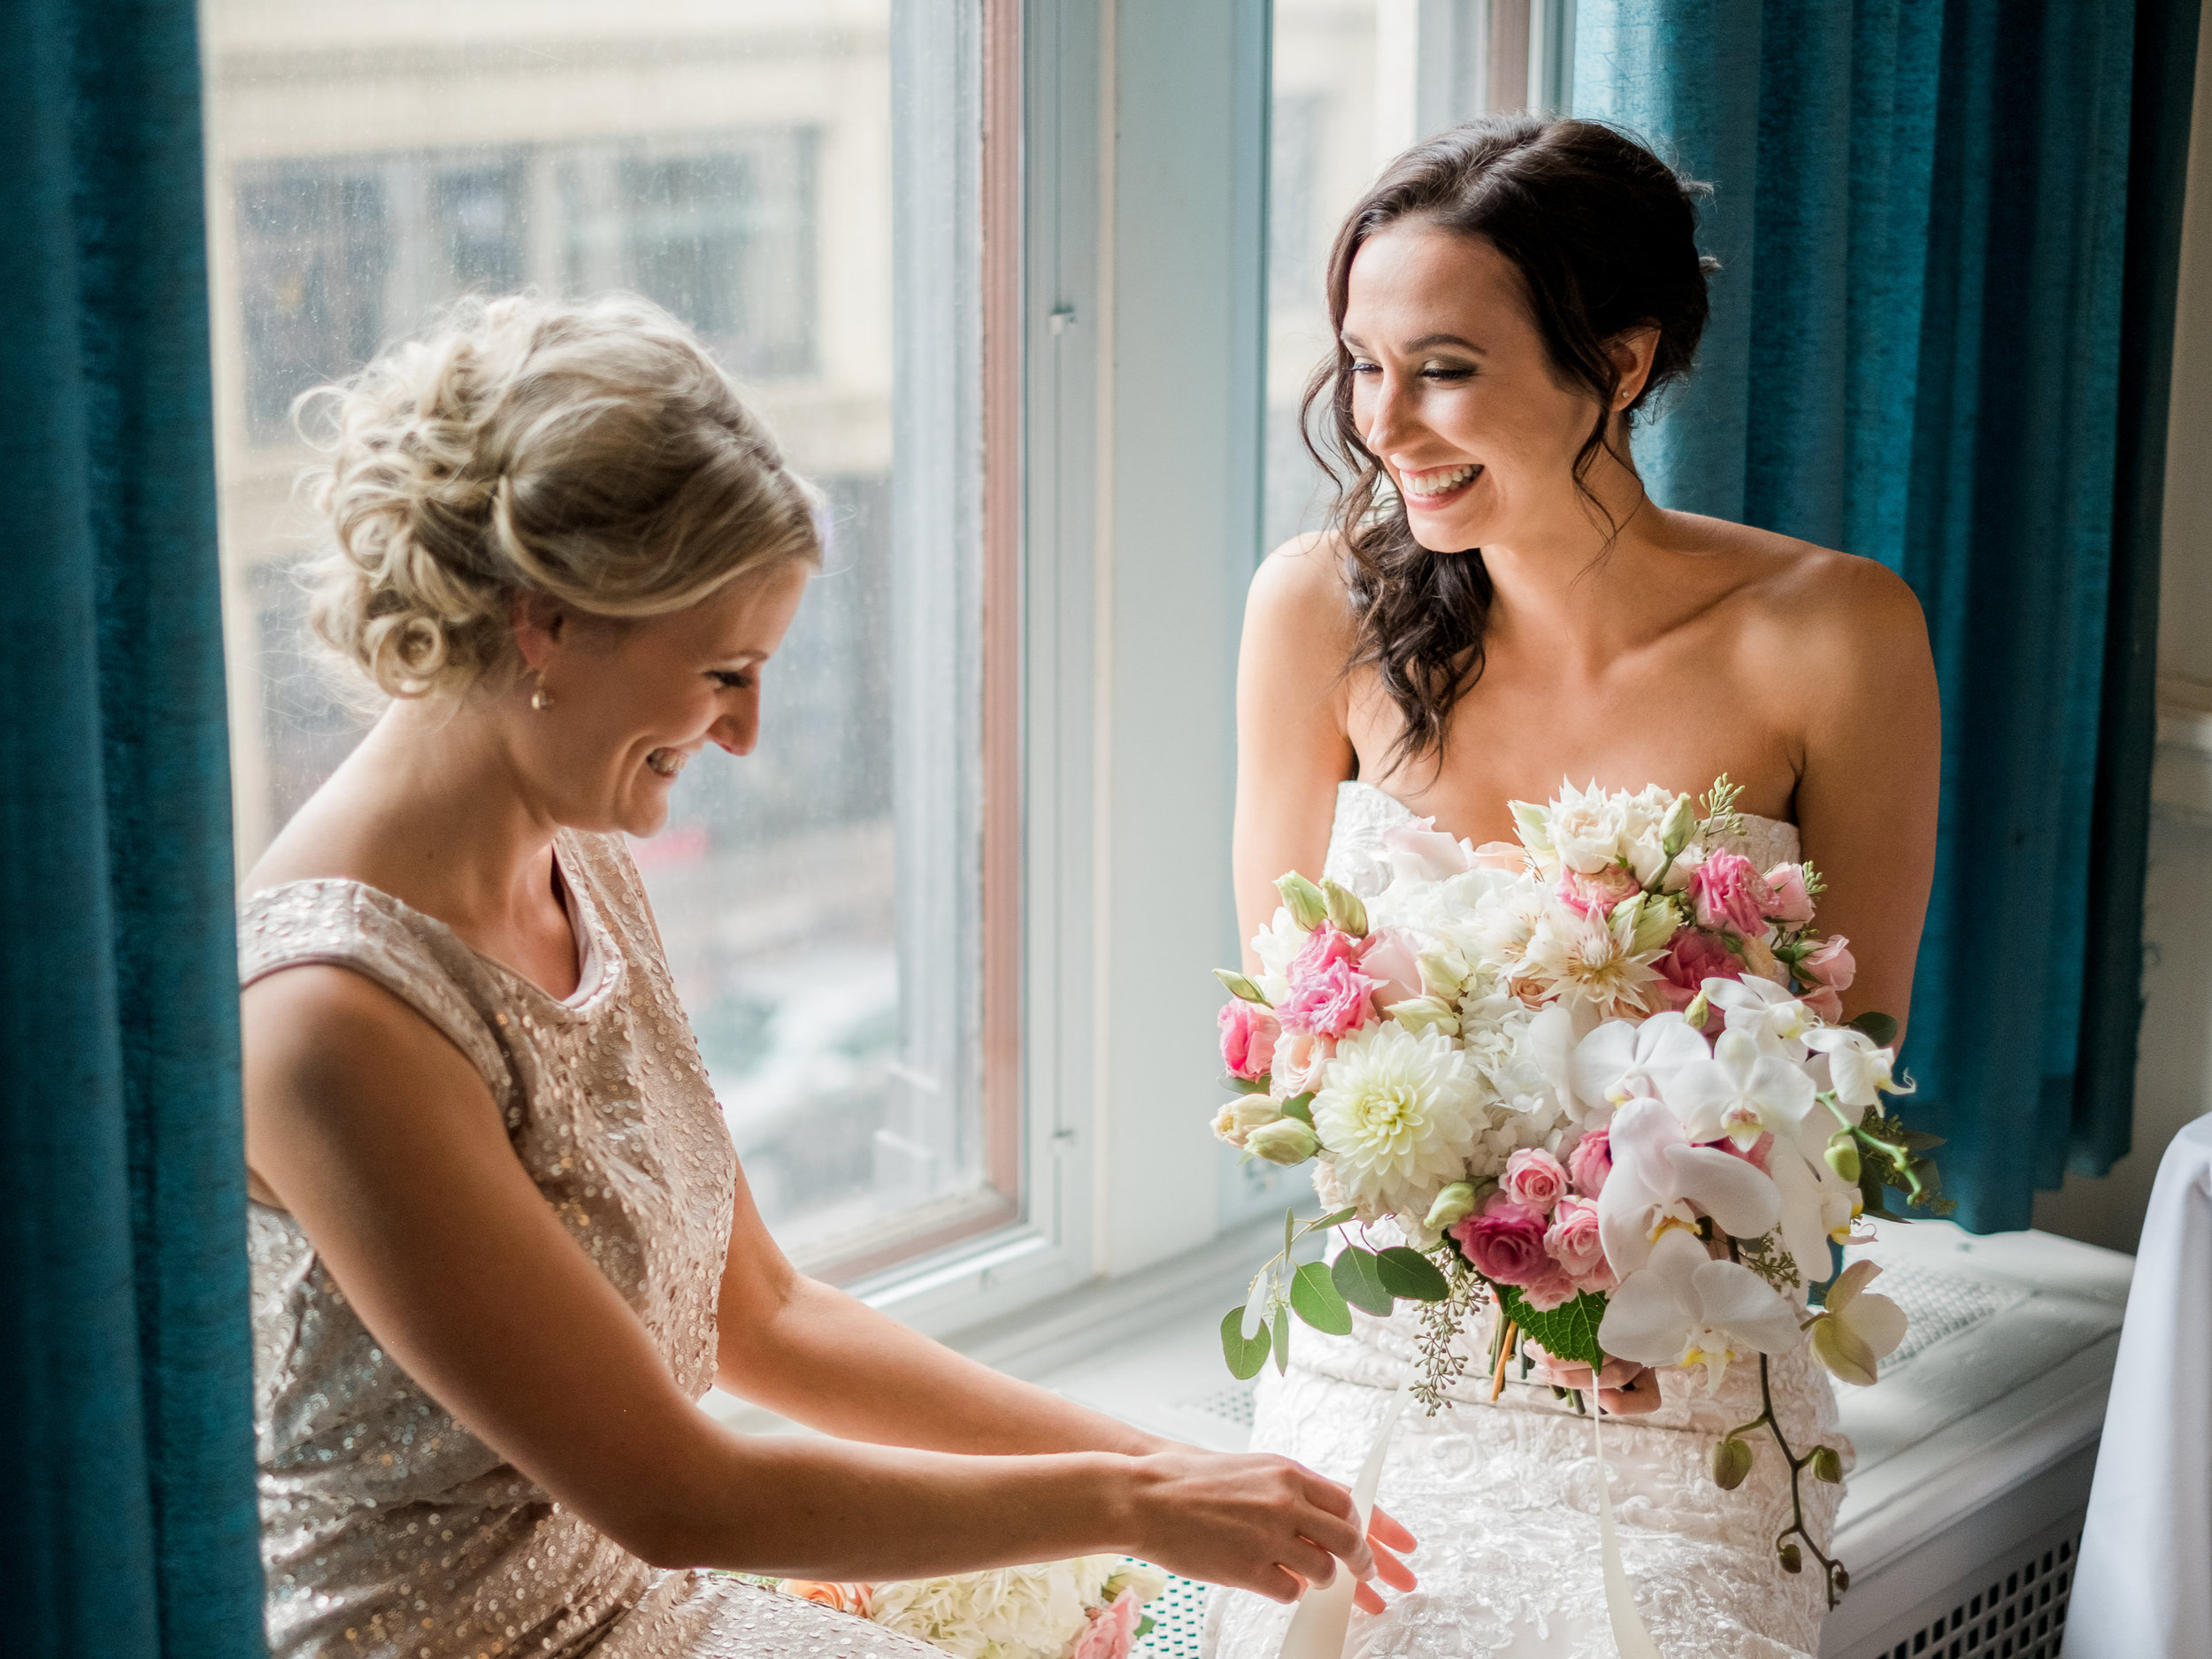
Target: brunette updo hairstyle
x=588 y=452
x=1603 y=234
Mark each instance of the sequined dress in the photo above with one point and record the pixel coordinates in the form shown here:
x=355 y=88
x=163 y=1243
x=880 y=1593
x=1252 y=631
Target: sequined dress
x=1503 y=1496
x=388 y=1530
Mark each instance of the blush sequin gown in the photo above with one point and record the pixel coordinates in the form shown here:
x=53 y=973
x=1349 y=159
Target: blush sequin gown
x=388 y=1530
x=1503 y=1497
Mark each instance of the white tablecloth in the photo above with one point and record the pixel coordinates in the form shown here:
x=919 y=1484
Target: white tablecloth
x=2142 y=1585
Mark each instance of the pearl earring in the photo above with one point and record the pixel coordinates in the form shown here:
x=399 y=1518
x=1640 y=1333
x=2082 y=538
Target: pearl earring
x=541 y=699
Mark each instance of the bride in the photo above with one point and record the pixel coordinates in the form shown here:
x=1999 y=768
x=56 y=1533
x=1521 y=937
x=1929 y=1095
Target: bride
x=501 y=1244
x=1498 y=606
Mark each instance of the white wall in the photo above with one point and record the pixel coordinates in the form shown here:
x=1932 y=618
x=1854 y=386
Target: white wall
x=2173 y=1081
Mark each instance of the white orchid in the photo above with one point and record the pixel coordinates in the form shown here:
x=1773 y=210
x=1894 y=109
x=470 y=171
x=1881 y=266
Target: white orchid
x=1659 y=1180
x=1763 y=1011
x=1858 y=1069
x=1742 y=1093
x=1683 y=1308
x=1621 y=1059
x=1855 y=1331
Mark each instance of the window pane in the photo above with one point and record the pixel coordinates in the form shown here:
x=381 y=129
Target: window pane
x=735 y=164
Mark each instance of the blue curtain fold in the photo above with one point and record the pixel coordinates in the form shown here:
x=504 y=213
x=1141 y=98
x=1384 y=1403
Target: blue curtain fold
x=128 y=1523
x=1941 y=338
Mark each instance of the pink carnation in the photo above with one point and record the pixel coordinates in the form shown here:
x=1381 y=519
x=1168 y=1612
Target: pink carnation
x=1534 y=1180
x=1791 y=904
x=1694 y=957
x=1596 y=895
x=1591 y=1162
x=1328 y=1000
x=1549 y=1290
x=1727 y=892
x=1326 y=944
x=1247 y=1038
x=1505 y=1242
x=1573 y=1243
x=1112 y=1631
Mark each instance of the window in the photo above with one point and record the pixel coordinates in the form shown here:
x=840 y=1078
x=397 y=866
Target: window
x=786 y=178
x=1357 y=81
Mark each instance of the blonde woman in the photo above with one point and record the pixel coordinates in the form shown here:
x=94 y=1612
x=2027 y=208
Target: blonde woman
x=501 y=1244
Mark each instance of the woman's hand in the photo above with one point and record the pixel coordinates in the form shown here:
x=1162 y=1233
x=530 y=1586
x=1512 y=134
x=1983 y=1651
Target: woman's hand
x=1261 y=1523
x=1624 y=1388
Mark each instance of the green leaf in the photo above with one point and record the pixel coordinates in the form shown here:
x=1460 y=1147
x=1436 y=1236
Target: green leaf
x=1237 y=1085
x=1144 y=1627
x=1915 y=1141
x=1282 y=1339
x=1245 y=1354
x=1301 y=1107
x=1321 y=1224
x=1569 y=1331
x=1406 y=1273
x=1881 y=1028
x=1360 y=1283
x=1315 y=1296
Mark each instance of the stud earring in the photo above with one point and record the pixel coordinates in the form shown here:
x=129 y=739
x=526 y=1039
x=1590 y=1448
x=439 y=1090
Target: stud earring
x=541 y=699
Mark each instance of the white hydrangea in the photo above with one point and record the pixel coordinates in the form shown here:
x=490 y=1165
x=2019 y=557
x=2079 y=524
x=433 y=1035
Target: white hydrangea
x=1033 y=1612
x=1399 y=1115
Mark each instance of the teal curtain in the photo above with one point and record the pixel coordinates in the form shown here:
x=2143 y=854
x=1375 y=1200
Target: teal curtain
x=1949 y=232
x=127 y=1503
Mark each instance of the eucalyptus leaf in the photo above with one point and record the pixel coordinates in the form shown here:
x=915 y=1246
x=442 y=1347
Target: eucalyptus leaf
x=1316 y=1299
x=1301 y=1107
x=1282 y=1339
x=1569 y=1331
x=1245 y=1354
x=1321 y=1224
x=1881 y=1028
x=1358 y=1277
x=1404 y=1271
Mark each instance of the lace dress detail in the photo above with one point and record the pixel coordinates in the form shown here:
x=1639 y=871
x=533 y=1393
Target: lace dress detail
x=1503 y=1496
x=389 y=1530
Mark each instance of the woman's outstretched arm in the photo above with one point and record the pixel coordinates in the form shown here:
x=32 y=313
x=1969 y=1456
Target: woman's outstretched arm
x=381 y=1140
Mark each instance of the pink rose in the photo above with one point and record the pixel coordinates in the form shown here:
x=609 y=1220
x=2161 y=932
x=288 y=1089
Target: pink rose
x=856 y=1599
x=1596 y=895
x=1829 y=963
x=1505 y=1242
x=1591 y=1162
x=1299 y=1058
x=1391 y=961
x=1694 y=957
x=1790 y=903
x=1573 y=1243
x=1112 y=1631
x=1248 y=1033
x=1534 y=1180
x=1328 y=1000
x=1825 y=1005
x=1419 y=852
x=1728 y=893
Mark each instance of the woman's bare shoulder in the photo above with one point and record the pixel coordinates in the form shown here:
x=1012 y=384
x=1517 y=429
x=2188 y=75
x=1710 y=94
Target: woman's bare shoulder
x=1301 y=589
x=1802 y=598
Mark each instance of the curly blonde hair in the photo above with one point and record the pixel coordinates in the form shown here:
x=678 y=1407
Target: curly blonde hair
x=588 y=452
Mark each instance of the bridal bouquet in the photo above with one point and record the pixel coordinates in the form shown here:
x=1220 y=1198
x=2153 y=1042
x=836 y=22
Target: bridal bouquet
x=1090 y=1607
x=1598 y=1079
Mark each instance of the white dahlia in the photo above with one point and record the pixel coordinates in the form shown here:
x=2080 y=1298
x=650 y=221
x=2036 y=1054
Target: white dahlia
x=1399 y=1115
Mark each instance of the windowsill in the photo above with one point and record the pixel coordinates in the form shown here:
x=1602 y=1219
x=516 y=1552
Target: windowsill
x=2181 y=771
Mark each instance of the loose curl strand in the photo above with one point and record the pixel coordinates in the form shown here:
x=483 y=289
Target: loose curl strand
x=1603 y=234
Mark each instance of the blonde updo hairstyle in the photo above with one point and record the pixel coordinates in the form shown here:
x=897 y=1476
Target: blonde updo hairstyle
x=588 y=452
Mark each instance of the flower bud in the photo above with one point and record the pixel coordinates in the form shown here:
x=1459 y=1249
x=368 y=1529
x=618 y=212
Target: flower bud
x=1826 y=1465
x=1731 y=1464
x=1235 y=1122
x=1792 y=1558
x=1345 y=909
x=1843 y=1155
x=1532 y=824
x=1674 y=829
x=1443 y=973
x=1308 y=908
x=1240 y=984
x=1842 y=1578
x=1285 y=1140
x=1423 y=1014
x=1657 y=920
x=1456 y=1202
x=1699 y=1011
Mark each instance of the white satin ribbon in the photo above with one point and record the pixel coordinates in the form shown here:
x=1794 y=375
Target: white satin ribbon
x=1317 y=1628
x=1629 y=1634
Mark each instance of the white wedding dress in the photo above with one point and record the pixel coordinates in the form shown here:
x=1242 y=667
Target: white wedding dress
x=1503 y=1496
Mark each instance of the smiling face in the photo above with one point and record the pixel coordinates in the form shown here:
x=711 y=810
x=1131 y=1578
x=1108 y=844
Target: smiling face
x=1455 y=392
x=628 y=704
